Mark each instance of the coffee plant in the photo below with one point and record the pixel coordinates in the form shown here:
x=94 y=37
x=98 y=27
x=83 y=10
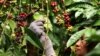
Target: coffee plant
x=73 y=27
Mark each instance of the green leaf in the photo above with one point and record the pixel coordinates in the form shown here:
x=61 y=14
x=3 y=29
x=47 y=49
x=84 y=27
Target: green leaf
x=12 y=24
x=68 y=2
x=54 y=38
x=97 y=23
x=81 y=0
x=6 y=54
x=75 y=37
x=95 y=51
x=95 y=37
x=32 y=38
x=24 y=1
x=7 y=31
x=80 y=5
x=89 y=32
x=38 y=16
x=17 y=50
x=89 y=13
x=78 y=13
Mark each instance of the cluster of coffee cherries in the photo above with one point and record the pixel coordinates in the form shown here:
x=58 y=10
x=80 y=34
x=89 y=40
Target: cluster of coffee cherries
x=21 y=19
x=21 y=22
x=18 y=34
x=67 y=21
x=59 y=19
x=10 y=15
x=54 y=6
x=6 y=3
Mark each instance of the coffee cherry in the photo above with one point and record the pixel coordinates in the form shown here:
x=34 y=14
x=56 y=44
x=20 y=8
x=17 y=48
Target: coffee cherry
x=22 y=16
x=18 y=32
x=70 y=28
x=62 y=1
x=13 y=35
x=1 y=1
x=17 y=40
x=55 y=9
x=53 y=3
x=66 y=14
x=22 y=23
x=9 y=15
x=67 y=20
x=59 y=19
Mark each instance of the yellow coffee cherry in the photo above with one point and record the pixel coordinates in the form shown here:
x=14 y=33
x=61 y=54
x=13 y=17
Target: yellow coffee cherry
x=13 y=35
x=70 y=28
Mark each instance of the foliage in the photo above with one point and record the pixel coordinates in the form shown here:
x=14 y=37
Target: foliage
x=66 y=21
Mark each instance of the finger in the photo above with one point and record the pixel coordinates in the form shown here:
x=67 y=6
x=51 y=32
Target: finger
x=41 y=27
x=39 y=31
x=43 y=34
x=32 y=24
x=41 y=20
x=42 y=37
x=39 y=23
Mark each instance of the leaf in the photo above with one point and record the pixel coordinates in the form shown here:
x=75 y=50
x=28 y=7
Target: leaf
x=89 y=32
x=7 y=31
x=78 y=13
x=32 y=38
x=97 y=23
x=54 y=38
x=95 y=37
x=12 y=24
x=24 y=1
x=75 y=37
x=80 y=0
x=89 y=13
x=5 y=42
x=6 y=54
x=95 y=51
x=68 y=2
x=80 y=5
x=37 y=16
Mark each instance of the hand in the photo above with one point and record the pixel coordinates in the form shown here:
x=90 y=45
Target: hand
x=37 y=27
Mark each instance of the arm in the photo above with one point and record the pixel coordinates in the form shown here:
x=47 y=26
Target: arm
x=38 y=29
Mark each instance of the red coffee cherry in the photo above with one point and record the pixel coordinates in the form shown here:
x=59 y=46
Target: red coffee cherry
x=1 y=1
x=22 y=16
x=53 y=3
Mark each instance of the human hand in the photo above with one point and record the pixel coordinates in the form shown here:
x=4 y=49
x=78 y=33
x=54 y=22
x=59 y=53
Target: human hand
x=37 y=27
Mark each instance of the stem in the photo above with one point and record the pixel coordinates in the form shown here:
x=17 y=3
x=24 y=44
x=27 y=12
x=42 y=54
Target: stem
x=20 y=5
x=47 y=14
